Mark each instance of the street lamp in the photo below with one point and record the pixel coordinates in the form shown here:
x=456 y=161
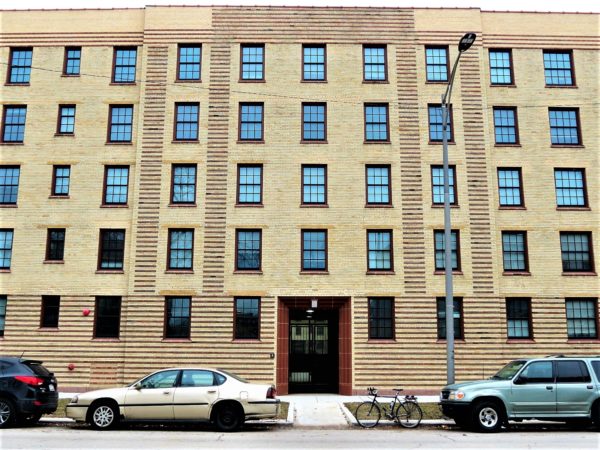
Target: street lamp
x=464 y=44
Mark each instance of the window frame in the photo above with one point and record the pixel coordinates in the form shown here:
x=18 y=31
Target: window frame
x=97 y=317
x=571 y=68
x=461 y=310
x=174 y=166
x=44 y=311
x=53 y=191
x=442 y=270
x=59 y=131
x=303 y=138
x=66 y=60
x=178 y=69
x=521 y=205
x=525 y=252
x=387 y=123
x=595 y=321
x=303 y=269
x=303 y=63
x=261 y=140
x=237 y=269
x=5 y=109
x=264 y=62
x=441 y=124
x=516 y=126
x=166 y=318
x=117 y=48
x=392 y=338
x=110 y=124
x=170 y=231
x=176 y=121
x=438 y=47
x=105 y=186
x=235 y=317
x=453 y=186
x=10 y=66
x=510 y=62
x=7 y=249
x=322 y=204
x=389 y=203
x=49 y=257
x=238 y=185
x=370 y=270
x=101 y=251
x=4 y=186
x=578 y=126
x=592 y=268
x=584 y=188
x=530 y=336
x=385 y=63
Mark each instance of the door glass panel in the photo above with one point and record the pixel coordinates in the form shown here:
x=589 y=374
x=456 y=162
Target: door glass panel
x=572 y=372
x=197 y=378
x=538 y=372
x=160 y=380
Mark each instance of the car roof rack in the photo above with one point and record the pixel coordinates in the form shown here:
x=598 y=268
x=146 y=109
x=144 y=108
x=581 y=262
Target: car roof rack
x=557 y=355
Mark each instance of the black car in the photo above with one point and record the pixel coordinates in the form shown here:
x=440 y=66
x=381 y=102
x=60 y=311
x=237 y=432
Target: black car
x=27 y=390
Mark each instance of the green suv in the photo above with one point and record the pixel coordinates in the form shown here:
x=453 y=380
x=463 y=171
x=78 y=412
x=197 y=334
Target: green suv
x=561 y=388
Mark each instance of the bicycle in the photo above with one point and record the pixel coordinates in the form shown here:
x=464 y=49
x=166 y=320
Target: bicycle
x=406 y=412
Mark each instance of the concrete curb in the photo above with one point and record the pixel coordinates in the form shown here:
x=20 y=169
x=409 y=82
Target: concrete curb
x=347 y=414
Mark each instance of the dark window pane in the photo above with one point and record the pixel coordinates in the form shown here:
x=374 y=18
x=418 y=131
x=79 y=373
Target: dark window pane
x=177 y=317
x=6 y=242
x=3 y=301
x=50 y=311
x=538 y=372
x=572 y=372
x=181 y=248
x=518 y=313
x=248 y=250
x=108 y=317
x=112 y=245
x=381 y=318
x=247 y=320
x=190 y=57
x=575 y=249
x=56 y=244
x=514 y=251
x=441 y=318
x=440 y=250
x=436 y=60
x=581 y=318
x=9 y=184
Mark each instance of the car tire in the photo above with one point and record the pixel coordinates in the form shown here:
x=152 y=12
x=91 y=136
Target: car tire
x=103 y=416
x=28 y=420
x=462 y=422
x=7 y=413
x=229 y=417
x=487 y=417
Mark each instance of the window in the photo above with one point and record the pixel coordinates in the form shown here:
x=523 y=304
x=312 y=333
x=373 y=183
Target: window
x=314 y=63
x=66 y=119
x=253 y=62
x=514 y=251
x=112 y=246
x=436 y=125
x=124 y=64
x=437 y=184
x=314 y=250
x=161 y=380
x=60 y=180
x=570 y=187
x=3 y=301
x=13 y=123
x=189 y=57
x=55 y=244
x=183 y=181
x=440 y=249
x=501 y=69
x=177 y=317
x=249 y=184
x=200 y=378
x=9 y=184
x=248 y=249
x=314 y=185
x=380 y=250
x=510 y=189
x=381 y=318
x=186 y=121
x=107 y=317
x=518 y=318
x=441 y=318
x=251 y=122
x=6 y=242
x=20 y=65
x=564 y=126
x=538 y=372
x=436 y=59
x=375 y=66
x=247 y=318
x=181 y=249
x=376 y=123
x=379 y=185
x=121 y=120
x=581 y=318
x=72 y=63
x=50 y=311
x=572 y=372
x=314 y=120
x=576 y=251
x=558 y=68
x=116 y=179
x=505 y=126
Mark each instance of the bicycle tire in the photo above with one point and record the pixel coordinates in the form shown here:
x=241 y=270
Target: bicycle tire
x=368 y=414
x=409 y=414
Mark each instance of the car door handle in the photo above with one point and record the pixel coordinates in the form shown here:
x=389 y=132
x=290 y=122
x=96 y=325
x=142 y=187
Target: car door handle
x=166 y=392
x=549 y=387
x=589 y=386
x=211 y=392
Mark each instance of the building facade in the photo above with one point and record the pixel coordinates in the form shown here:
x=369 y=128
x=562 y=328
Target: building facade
x=260 y=189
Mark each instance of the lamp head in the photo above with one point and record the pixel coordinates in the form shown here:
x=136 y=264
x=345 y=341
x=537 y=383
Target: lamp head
x=466 y=41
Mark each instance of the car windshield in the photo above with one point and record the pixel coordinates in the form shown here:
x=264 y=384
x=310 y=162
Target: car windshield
x=509 y=370
x=234 y=376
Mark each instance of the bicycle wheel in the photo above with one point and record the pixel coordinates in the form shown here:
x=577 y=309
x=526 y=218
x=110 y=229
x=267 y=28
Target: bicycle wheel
x=409 y=414
x=368 y=414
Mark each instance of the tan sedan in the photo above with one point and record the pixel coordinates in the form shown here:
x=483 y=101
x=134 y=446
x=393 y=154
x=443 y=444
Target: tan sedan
x=178 y=395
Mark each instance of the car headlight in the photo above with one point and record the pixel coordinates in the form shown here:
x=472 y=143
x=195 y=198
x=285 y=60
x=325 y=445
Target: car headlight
x=456 y=395
x=75 y=399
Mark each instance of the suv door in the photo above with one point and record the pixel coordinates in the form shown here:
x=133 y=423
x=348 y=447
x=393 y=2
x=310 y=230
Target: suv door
x=151 y=398
x=195 y=394
x=575 y=391
x=533 y=392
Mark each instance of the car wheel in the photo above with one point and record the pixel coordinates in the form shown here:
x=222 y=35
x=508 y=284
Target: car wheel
x=28 y=420
x=596 y=415
x=462 y=422
x=103 y=416
x=488 y=417
x=7 y=413
x=229 y=417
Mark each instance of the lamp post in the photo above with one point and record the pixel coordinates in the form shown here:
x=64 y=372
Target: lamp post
x=464 y=44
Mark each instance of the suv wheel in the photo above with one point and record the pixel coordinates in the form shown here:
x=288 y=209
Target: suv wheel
x=103 y=416
x=7 y=413
x=488 y=417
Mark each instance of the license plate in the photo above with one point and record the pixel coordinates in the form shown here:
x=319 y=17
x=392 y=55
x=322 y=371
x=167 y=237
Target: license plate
x=51 y=387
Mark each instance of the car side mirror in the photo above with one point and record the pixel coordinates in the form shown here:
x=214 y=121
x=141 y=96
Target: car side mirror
x=520 y=380
x=137 y=386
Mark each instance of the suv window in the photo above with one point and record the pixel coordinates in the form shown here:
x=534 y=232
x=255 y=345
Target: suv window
x=538 y=372
x=572 y=372
x=596 y=367
x=37 y=368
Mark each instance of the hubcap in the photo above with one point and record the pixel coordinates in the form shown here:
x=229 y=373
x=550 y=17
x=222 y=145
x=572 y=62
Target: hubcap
x=4 y=412
x=488 y=417
x=103 y=416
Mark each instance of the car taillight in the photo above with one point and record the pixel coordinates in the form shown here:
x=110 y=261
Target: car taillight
x=272 y=392
x=32 y=381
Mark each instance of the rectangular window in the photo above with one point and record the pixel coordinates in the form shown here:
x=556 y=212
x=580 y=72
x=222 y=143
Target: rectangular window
x=183 y=181
x=440 y=249
x=112 y=247
x=61 y=176
x=249 y=184
x=518 y=318
x=314 y=63
x=380 y=250
x=251 y=122
x=314 y=250
x=570 y=187
x=314 y=185
x=314 y=120
x=9 y=184
x=558 y=68
x=189 y=58
x=177 y=317
x=253 y=62
x=441 y=318
x=379 y=185
x=375 y=66
x=376 y=123
x=72 y=63
x=13 y=123
x=436 y=124
x=121 y=121
x=248 y=249
x=510 y=188
x=55 y=244
x=581 y=318
x=514 y=251
x=381 y=318
x=50 y=311
x=124 y=64
x=505 y=125
x=501 y=69
x=186 y=121
x=436 y=59
x=3 y=301
x=576 y=250
x=116 y=180
x=247 y=318
x=66 y=119
x=181 y=249
x=437 y=184
x=20 y=65
x=564 y=126
x=6 y=243
x=108 y=317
